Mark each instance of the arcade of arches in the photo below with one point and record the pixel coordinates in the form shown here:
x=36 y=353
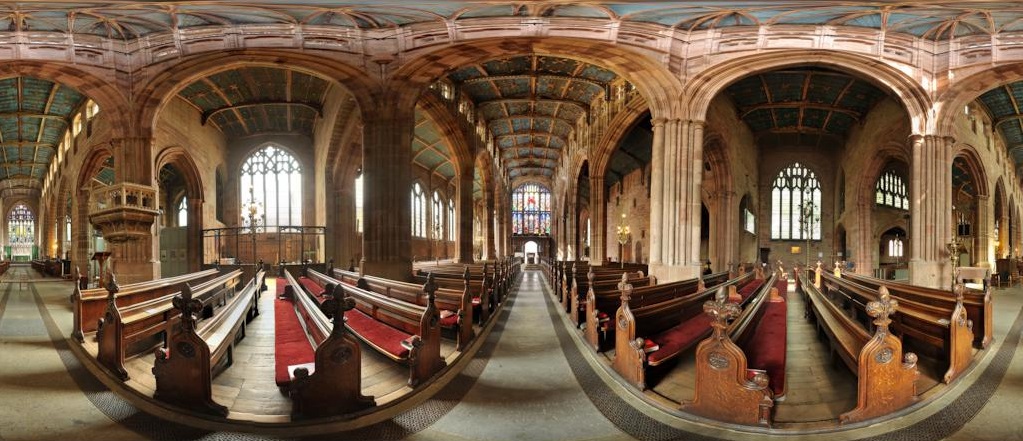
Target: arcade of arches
x=684 y=138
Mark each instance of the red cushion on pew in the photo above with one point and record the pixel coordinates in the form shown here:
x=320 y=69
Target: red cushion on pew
x=783 y=287
x=311 y=286
x=279 y=284
x=766 y=350
x=382 y=336
x=678 y=338
x=291 y=345
x=476 y=301
x=448 y=318
x=750 y=288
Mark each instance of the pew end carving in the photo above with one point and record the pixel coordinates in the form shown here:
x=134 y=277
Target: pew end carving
x=109 y=328
x=726 y=389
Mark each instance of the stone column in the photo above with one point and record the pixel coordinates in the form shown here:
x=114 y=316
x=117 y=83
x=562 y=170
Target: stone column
x=463 y=215
x=135 y=259
x=861 y=234
x=931 y=207
x=573 y=245
x=598 y=219
x=724 y=239
x=677 y=174
x=387 y=180
x=984 y=255
x=1004 y=241
x=489 y=225
x=342 y=232
x=194 y=242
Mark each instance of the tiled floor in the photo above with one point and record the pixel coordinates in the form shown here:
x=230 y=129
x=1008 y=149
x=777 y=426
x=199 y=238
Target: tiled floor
x=529 y=383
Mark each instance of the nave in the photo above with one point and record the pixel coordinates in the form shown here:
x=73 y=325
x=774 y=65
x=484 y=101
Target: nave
x=532 y=379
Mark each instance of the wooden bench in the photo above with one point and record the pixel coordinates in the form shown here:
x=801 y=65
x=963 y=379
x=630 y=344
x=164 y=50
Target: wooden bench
x=89 y=305
x=576 y=276
x=886 y=378
x=599 y=305
x=944 y=334
x=404 y=332
x=482 y=287
x=185 y=367
x=132 y=329
x=318 y=364
x=456 y=306
x=4 y=266
x=978 y=304
x=740 y=369
x=580 y=291
x=654 y=334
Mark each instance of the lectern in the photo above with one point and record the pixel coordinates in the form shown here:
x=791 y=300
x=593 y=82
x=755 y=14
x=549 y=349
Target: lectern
x=101 y=259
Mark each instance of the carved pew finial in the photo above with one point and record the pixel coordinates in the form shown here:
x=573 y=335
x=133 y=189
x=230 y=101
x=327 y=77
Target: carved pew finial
x=112 y=287
x=882 y=308
x=959 y=290
x=621 y=285
x=817 y=276
x=305 y=268
x=430 y=288
x=330 y=267
x=720 y=311
x=188 y=307
x=335 y=307
x=362 y=266
x=838 y=269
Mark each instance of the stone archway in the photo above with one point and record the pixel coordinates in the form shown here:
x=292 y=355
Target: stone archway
x=188 y=182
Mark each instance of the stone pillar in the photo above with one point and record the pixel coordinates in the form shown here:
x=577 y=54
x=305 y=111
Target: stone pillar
x=463 y=214
x=489 y=225
x=931 y=224
x=194 y=242
x=677 y=174
x=134 y=259
x=861 y=236
x=1004 y=241
x=984 y=255
x=342 y=232
x=598 y=219
x=724 y=239
x=387 y=180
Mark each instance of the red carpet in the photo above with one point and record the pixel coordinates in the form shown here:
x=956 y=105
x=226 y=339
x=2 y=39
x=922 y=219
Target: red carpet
x=291 y=345
x=767 y=347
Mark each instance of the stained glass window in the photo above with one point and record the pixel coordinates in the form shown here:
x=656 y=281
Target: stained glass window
x=418 y=211
x=531 y=210
x=795 y=188
x=21 y=225
x=891 y=191
x=272 y=178
x=895 y=247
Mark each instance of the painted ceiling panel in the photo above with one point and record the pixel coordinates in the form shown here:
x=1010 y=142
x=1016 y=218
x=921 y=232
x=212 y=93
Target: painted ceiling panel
x=803 y=100
x=429 y=150
x=532 y=101
x=1012 y=132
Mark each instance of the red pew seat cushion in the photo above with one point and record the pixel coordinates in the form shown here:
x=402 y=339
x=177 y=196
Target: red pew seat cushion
x=766 y=350
x=677 y=339
x=476 y=301
x=311 y=286
x=750 y=288
x=380 y=335
x=291 y=345
x=448 y=318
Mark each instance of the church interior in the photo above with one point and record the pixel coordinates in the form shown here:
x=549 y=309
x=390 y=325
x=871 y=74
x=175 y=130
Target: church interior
x=541 y=220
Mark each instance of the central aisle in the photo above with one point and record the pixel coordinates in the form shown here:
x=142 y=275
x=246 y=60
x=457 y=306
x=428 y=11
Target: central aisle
x=527 y=390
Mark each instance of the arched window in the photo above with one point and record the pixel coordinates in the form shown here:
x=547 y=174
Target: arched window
x=273 y=177
x=21 y=231
x=418 y=211
x=183 y=212
x=438 y=216
x=749 y=220
x=531 y=210
x=67 y=228
x=795 y=189
x=891 y=191
x=895 y=247
x=452 y=225
x=358 y=204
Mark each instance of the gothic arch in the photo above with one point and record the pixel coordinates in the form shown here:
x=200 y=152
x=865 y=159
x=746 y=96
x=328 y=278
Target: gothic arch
x=709 y=83
x=655 y=82
x=154 y=95
x=956 y=96
x=976 y=167
x=617 y=129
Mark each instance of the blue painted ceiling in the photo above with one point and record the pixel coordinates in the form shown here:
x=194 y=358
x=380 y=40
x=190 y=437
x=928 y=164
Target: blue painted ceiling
x=1003 y=103
x=532 y=103
x=252 y=100
x=803 y=101
x=429 y=150
x=129 y=20
x=34 y=116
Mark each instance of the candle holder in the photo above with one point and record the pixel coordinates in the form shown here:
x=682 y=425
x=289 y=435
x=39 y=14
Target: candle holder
x=623 y=233
x=953 y=248
x=809 y=217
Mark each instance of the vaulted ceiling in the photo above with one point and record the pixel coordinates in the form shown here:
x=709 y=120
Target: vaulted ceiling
x=34 y=116
x=253 y=100
x=129 y=20
x=532 y=104
x=429 y=150
x=1003 y=103
x=806 y=101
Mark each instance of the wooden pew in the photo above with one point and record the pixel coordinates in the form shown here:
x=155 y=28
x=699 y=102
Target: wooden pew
x=673 y=325
x=458 y=303
x=884 y=384
x=577 y=303
x=978 y=304
x=404 y=332
x=576 y=276
x=4 y=266
x=740 y=369
x=330 y=382
x=599 y=304
x=946 y=334
x=185 y=367
x=481 y=284
x=122 y=330
x=89 y=305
